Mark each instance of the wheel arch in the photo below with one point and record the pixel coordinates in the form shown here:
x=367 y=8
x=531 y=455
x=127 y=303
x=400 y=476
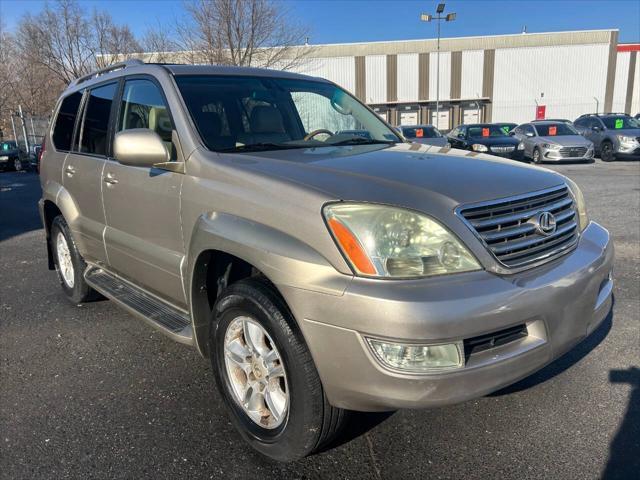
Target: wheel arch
x=225 y=248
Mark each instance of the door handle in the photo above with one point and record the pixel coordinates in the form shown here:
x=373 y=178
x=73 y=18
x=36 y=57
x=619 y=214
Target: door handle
x=110 y=179
x=70 y=170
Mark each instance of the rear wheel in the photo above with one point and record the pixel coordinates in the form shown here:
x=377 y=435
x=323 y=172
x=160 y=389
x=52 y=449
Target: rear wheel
x=266 y=375
x=69 y=264
x=606 y=152
x=536 y=155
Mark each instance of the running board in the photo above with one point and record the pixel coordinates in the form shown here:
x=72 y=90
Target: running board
x=159 y=314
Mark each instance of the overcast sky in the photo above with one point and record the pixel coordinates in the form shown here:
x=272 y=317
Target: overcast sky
x=334 y=21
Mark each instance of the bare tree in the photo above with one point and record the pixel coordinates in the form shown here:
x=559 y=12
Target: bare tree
x=69 y=43
x=241 y=32
x=111 y=43
x=158 y=44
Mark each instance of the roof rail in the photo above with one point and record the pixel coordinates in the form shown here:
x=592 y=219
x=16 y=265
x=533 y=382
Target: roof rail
x=111 y=68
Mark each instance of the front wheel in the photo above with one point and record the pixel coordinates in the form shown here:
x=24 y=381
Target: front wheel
x=266 y=375
x=536 y=155
x=606 y=152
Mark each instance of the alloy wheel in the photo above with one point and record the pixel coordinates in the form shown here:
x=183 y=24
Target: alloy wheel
x=256 y=372
x=65 y=264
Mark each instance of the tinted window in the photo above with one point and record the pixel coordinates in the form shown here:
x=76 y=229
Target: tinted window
x=96 y=120
x=143 y=106
x=555 y=129
x=63 y=129
x=581 y=122
x=480 y=131
x=528 y=129
x=421 y=132
x=265 y=113
x=622 y=121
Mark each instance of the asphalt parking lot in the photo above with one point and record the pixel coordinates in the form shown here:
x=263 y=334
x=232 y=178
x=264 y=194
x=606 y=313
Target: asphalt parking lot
x=91 y=392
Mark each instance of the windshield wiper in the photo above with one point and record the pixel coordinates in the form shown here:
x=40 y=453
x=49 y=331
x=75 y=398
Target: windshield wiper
x=259 y=146
x=357 y=140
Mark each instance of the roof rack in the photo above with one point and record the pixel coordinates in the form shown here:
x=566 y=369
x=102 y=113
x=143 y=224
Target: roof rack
x=111 y=68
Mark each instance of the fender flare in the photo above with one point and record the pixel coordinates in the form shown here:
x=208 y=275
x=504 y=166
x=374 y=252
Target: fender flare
x=282 y=258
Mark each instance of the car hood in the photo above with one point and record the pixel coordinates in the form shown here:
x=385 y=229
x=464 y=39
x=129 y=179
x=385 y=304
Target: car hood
x=409 y=175
x=567 y=140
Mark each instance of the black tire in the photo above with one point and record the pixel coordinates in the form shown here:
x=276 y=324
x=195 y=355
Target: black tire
x=536 y=158
x=311 y=423
x=80 y=291
x=606 y=152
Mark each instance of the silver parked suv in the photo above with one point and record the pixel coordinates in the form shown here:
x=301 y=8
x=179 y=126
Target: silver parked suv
x=615 y=135
x=320 y=272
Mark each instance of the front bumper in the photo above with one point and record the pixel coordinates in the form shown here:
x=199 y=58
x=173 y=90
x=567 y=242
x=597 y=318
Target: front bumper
x=560 y=302
x=549 y=155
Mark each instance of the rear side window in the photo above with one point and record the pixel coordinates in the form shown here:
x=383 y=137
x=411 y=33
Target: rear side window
x=63 y=129
x=96 y=120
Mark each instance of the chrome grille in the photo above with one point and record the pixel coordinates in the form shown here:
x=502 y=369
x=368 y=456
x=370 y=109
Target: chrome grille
x=502 y=148
x=570 y=152
x=509 y=227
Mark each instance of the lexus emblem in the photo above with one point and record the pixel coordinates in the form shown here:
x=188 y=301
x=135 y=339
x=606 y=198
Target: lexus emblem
x=546 y=224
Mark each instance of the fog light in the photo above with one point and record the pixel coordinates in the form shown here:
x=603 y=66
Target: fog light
x=418 y=358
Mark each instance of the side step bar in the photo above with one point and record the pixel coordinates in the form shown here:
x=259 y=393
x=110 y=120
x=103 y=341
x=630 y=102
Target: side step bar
x=169 y=320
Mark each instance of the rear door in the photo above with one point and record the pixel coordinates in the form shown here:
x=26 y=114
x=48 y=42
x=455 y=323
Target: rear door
x=142 y=205
x=82 y=171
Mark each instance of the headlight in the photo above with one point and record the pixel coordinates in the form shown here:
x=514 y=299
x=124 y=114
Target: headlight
x=4 y=157
x=521 y=146
x=477 y=147
x=383 y=241
x=625 y=139
x=551 y=146
x=578 y=198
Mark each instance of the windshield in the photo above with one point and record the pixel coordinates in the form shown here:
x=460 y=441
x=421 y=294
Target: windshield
x=619 y=122
x=479 y=131
x=236 y=113
x=507 y=127
x=426 y=131
x=555 y=130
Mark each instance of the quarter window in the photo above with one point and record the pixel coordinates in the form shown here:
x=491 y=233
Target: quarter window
x=143 y=106
x=65 y=121
x=93 y=136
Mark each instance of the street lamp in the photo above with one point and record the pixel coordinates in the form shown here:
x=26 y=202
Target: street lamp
x=449 y=17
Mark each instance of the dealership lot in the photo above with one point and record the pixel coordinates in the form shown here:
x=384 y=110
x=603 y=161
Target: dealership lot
x=92 y=392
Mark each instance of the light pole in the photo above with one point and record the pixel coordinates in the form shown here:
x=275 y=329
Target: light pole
x=449 y=17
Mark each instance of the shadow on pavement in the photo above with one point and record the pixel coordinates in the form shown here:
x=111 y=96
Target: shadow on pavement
x=624 y=452
x=563 y=363
x=19 y=195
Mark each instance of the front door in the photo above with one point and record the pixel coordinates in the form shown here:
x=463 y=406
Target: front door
x=82 y=173
x=142 y=205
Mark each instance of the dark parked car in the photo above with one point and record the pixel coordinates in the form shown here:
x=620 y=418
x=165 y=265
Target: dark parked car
x=10 y=156
x=614 y=135
x=425 y=134
x=486 y=138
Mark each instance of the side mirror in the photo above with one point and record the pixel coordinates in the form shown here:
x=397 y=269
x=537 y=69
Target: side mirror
x=139 y=147
x=529 y=134
x=596 y=128
x=461 y=135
